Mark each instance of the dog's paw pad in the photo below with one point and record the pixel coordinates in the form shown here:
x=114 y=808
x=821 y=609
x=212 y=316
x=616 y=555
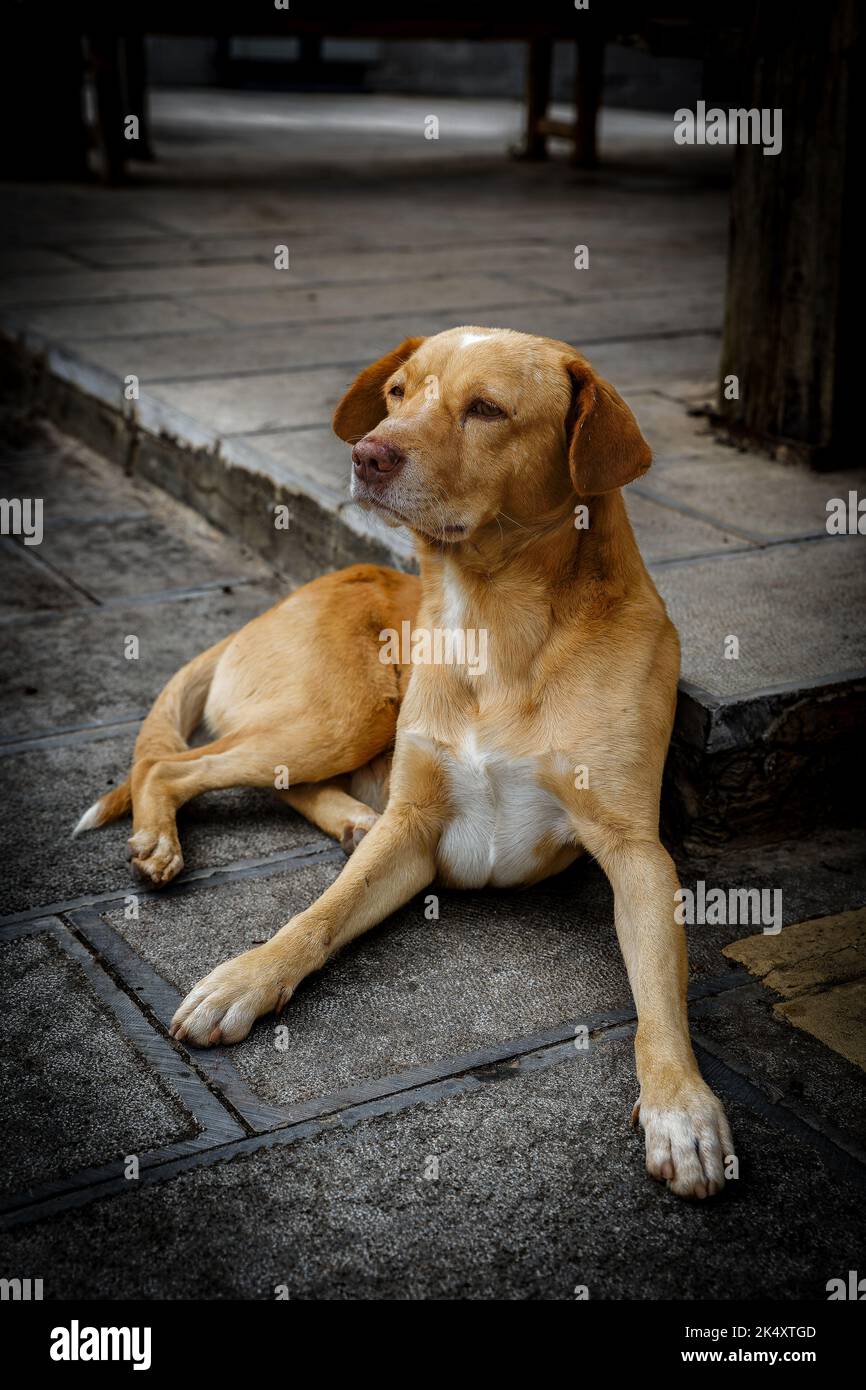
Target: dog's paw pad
x=155 y=858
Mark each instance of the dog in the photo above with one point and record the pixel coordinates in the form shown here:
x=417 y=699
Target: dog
x=505 y=455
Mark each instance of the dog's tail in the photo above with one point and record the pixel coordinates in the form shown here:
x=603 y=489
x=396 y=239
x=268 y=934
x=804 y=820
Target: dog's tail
x=110 y=807
x=177 y=711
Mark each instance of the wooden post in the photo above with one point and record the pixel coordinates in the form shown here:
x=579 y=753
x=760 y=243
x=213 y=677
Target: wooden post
x=588 y=83
x=794 y=273
x=105 y=53
x=135 y=66
x=539 y=62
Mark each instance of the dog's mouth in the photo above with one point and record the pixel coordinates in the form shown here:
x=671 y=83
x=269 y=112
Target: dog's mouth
x=453 y=531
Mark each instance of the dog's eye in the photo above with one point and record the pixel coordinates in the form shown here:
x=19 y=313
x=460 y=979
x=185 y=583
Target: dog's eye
x=486 y=409
x=397 y=393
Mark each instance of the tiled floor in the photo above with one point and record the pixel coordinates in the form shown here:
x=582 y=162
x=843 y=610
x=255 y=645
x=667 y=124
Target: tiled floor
x=304 y=1157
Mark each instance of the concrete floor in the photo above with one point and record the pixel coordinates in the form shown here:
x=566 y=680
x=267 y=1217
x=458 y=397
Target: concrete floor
x=304 y=1159
x=301 y=1159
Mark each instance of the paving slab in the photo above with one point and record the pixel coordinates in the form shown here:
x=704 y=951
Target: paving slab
x=108 y=687
x=674 y=433
x=792 y=1066
x=632 y=315
x=682 y=363
x=540 y=1190
x=665 y=270
x=119 y=559
x=237 y=405
x=312 y=245
x=819 y=969
x=412 y=992
x=787 y=629
x=661 y=540
x=271 y=347
x=837 y=1017
x=98 y=319
x=28 y=585
x=95 y=285
x=770 y=501
x=40 y=215
x=47 y=791
x=73 y=481
x=494 y=966
x=511 y=305
x=810 y=955
x=315 y=456
x=174 y=250
x=249 y=264
x=463 y=295
x=818 y=875
x=76 y=1093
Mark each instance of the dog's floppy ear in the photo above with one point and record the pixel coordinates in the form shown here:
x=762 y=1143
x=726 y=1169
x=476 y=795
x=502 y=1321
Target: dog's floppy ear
x=363 y=405
x=606 y=449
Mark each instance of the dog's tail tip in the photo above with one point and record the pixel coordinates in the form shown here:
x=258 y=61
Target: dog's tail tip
x=108 y=808
x=90 y=820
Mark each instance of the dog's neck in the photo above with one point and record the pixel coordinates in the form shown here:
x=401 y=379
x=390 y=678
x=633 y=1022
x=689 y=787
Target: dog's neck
x=522 y=587
x=510 y=567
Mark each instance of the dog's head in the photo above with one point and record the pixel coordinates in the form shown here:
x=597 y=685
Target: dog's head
x=452 y=432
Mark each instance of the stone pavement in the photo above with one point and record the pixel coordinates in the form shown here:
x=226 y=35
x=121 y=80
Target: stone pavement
x=819 y=969
x=306 y=1157
x=419 y=1123
x=172 y=281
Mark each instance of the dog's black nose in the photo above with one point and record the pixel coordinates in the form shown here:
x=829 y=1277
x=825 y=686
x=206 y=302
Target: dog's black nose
x=374 y=459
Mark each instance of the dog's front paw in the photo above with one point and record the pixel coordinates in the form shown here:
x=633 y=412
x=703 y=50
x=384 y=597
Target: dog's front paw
x=688 y=1138
x=223 y=1007
x=155 y=856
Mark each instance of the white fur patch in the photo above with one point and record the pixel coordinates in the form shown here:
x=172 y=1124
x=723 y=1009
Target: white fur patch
x=499 y=815
x=89 y=820
x=469 y=338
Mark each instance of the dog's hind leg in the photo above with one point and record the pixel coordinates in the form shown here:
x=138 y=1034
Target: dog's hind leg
x=160 y=788
x=329 y=806
x=346 y=808
x=176 y=713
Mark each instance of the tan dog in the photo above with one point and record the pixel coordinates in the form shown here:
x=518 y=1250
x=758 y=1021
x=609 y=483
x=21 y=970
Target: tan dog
x=505 y=455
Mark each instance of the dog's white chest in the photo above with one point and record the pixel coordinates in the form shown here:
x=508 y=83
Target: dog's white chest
x=499 y=815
